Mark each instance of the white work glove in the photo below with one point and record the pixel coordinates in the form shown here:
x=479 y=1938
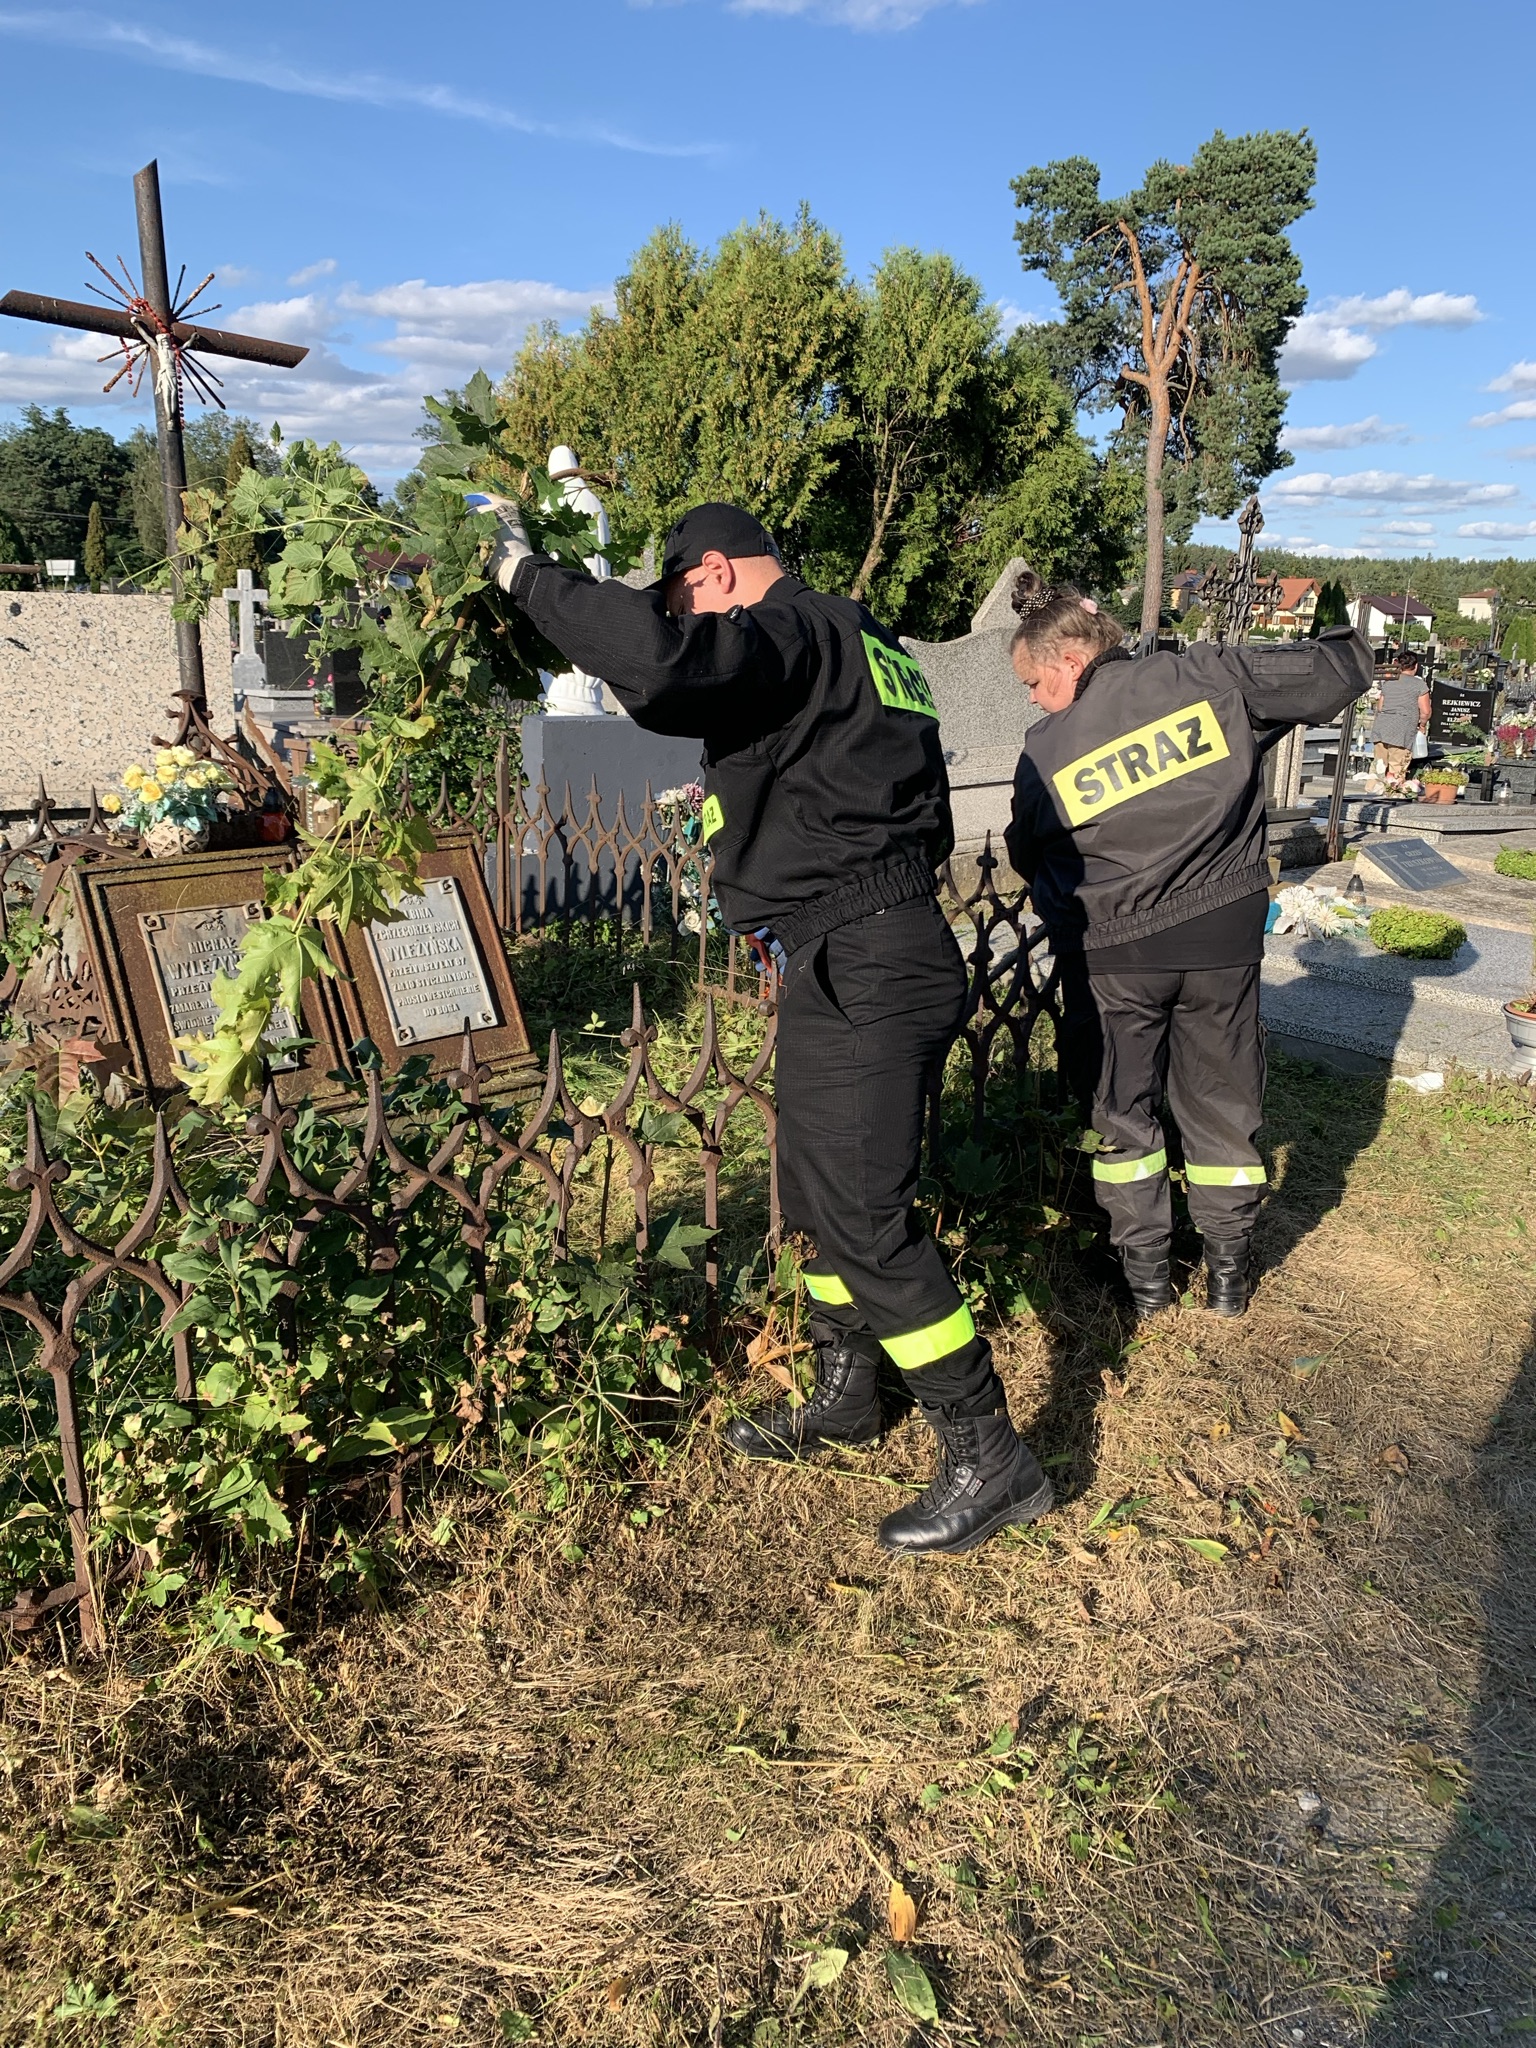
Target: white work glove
x=512 y=536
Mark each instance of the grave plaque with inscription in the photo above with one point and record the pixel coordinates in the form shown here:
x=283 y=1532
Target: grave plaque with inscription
x=429 y=970
x=189 y=949
x=412 y=985
x=160 y=931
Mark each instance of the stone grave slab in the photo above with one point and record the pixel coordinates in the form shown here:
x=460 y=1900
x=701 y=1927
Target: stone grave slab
x=1410 y=863
x=412 y=985
x=159 y=932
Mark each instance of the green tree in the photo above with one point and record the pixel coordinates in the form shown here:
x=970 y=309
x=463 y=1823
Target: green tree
x=94 y=561
x=237 y=547
x=896 y=446
x=710 y=379
x=1520 y=640
x=1177 y=298
x=14 y=547
x=51 y=471
x=1332 y=609
x=209 y=441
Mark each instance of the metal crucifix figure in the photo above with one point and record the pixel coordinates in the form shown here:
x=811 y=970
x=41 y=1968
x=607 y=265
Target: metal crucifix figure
x=1231 y=597
x=153 y=336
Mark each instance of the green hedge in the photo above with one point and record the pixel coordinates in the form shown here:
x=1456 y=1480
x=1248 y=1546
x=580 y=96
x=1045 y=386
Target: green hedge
x=1516 y=861
x=1417 y=934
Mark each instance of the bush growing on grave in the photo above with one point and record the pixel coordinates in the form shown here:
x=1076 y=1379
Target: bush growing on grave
x=307 y=1407
x=1518 y=861
x=1417 y=934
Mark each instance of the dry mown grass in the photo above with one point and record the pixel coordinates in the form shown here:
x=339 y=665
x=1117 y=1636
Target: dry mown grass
x=617 y=1797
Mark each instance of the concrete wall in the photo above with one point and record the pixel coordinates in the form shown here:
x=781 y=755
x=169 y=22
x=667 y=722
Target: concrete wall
x=87 y=684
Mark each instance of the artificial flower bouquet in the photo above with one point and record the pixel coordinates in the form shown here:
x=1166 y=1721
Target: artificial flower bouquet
x=171 y=805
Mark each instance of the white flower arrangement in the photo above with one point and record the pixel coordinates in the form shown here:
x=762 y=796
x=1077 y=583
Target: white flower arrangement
x=1315 y=915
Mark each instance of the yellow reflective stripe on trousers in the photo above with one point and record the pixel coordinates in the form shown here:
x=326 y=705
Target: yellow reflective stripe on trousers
x=826 y=1287
x=926 y=1347
x=1145 y=1168
x=1252 y=1176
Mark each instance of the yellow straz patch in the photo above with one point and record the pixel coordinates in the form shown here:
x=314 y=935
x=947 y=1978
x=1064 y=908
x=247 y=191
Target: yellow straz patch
x=901 y=684
x=1180 y=743
x=711 y=818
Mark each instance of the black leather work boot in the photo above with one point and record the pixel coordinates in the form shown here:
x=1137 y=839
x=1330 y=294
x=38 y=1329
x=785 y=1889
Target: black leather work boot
x=988 y=1479
x=843 y=1411
x=1228 y=1277
x=1148 y=1275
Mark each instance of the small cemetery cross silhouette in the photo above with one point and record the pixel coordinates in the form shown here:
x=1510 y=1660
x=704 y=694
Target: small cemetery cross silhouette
x=147 y=320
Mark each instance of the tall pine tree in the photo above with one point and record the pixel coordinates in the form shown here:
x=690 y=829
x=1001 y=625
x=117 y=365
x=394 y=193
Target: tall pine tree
x=94 y=560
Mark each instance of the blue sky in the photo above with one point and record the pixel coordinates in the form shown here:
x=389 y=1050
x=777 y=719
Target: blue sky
x=405 y=188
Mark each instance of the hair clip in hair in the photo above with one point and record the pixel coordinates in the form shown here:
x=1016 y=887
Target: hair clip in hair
x=1027 y=603
x=1089 y=606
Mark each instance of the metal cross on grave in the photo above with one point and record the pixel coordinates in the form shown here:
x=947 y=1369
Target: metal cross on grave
x=148 y=324
x=1232 y=597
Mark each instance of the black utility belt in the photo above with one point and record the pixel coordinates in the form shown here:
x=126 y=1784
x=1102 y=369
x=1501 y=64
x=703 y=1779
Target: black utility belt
x=866 y=897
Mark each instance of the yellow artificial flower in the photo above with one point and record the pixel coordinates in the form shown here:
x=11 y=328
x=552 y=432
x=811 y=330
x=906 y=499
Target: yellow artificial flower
x=133 y=775
x=168 y=774
x=151 y=791
x=183 y=756
x=112 y=803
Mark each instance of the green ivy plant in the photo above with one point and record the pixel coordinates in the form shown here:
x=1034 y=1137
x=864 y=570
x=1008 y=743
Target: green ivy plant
x=426 y=635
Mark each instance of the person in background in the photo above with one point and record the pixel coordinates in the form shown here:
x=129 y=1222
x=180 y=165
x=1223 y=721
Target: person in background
x=1405 y=707
x=1138 y=821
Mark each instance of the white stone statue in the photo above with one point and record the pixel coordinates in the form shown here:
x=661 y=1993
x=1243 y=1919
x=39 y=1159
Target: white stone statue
x=576 y=695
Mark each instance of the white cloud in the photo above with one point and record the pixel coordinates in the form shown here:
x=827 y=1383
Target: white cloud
x=1418 y=528
x=1319 y=349
x=1349 y=434
x=1494 y=529
x=433 y=337
x=1402 y=308
x=1011 y=317
x=860 y=14
x=100 y=32
x=1518 y=377
x=311 y=272
x=1387 y=487
x=1525 y=454
x=1333 y=343
x=1522 y=409
x=236 y=273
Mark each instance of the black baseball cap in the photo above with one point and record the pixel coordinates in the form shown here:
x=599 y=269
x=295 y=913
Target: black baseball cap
x=725 y=529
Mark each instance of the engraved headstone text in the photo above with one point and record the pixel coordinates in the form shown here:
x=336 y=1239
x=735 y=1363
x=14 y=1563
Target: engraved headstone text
x=187 y=949
x=428 y=967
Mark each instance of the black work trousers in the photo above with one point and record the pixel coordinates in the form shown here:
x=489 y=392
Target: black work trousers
x=867 y=1016
x=1193 y=1035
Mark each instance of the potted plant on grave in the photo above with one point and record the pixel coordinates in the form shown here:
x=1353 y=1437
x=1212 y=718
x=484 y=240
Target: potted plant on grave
x=1520 y=1015
x=1442 y=785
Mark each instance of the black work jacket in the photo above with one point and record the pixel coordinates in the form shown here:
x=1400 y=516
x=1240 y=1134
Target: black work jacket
x=826 y=796
x=1142 y=804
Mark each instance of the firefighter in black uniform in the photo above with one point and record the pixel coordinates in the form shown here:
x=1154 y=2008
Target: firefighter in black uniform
x=1138 y=820
x=826 y=810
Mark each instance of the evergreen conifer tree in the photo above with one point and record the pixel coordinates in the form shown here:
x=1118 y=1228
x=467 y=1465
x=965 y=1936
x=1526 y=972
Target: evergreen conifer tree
x=94 y=560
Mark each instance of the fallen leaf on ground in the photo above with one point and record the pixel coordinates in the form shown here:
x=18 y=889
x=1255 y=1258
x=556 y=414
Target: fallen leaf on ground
x=618 y=1991
x=909 y=1981
x=1395 y=1458
x=901 y=1912
x=1288 y=1428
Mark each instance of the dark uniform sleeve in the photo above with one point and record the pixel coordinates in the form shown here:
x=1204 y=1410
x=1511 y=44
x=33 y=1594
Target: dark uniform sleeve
x=1303 y=683
x=1021 y=837
x=691 y=677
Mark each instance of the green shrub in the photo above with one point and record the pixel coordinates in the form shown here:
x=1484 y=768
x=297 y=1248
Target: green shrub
x=1417 y=934
x=1517 y=861
x=1453 y=776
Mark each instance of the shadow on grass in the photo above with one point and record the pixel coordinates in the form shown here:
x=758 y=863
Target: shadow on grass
x=1316 y=1124
x=1469 y=1958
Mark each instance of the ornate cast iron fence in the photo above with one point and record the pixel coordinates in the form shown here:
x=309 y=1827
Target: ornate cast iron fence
x=554 y=875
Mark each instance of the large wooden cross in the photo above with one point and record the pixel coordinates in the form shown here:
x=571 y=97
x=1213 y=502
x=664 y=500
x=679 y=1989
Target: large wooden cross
x=153 y=336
